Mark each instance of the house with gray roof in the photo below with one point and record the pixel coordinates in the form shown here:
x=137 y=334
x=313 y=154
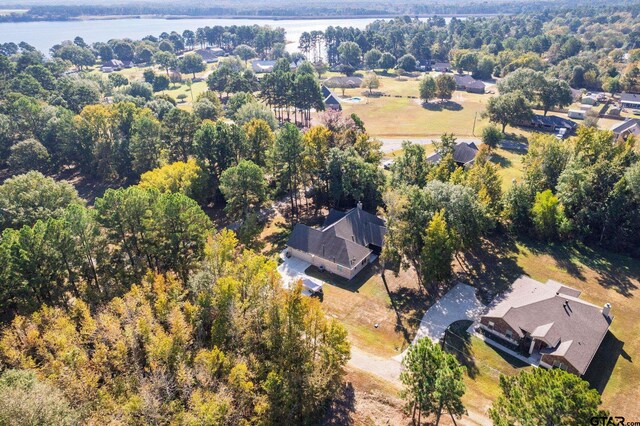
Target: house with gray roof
x=442 y=66
x=210 y=55
x=346 y=243
x=548 y=323
x=630 y=100
x=629 y=127
x=468 y=84
x=464 y=154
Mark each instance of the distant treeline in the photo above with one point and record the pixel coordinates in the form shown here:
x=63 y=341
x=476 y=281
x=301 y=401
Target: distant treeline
x=68 y=12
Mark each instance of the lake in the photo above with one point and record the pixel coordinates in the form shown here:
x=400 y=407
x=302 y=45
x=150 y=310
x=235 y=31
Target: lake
x=43 y=35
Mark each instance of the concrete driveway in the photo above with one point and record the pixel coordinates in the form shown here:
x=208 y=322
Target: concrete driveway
x=460 y=303
x=293 y=269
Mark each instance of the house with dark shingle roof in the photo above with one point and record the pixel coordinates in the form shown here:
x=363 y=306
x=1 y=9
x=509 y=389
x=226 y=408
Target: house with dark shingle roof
x=630 y=100
x=629 y=127
x=343 y=246
x=464 y=154
x=468 y=84
x=549 y=324
x=331 y=102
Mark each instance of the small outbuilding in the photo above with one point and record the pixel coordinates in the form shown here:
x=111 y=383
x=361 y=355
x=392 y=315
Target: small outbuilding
x=576 y=113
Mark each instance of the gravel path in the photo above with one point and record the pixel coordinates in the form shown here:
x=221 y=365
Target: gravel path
x=385 y=368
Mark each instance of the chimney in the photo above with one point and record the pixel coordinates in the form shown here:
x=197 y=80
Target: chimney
x=359 y=205
x=606 y=309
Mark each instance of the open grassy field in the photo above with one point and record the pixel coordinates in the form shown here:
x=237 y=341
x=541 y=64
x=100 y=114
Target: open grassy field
x=400 y=116
x=174 y=90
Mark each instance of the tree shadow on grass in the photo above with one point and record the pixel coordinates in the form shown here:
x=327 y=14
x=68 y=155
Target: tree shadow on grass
x=442 y=105
x=614 y=271
x=457 y=341
x=604 y=362
x=503 y=162
x=341 y=407
x=491 y=268
x=352 y=285
x=409 y=305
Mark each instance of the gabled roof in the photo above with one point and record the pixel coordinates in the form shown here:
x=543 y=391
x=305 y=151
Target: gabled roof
x=475 y=84
x=631 y=125
x=463 y=153
x=344 y=81
x=554 y=314
x=345 y=238
x=262 y=66
x=442 y=65
x=113 y=63
x=331 y=100
x=325 y=91
x=464 y=79
x=553 y=121
x=210 y=54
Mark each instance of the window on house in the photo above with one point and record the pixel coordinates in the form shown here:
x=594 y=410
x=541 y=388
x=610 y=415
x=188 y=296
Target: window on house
x=559 y=365
x=509 y=334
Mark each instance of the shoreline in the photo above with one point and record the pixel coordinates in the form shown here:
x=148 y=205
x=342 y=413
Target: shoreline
x=256 y=18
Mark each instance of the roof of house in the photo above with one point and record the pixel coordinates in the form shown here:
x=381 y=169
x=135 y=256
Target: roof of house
x=553 y=121
x=262 y=66
x=629 y=126
x=475 y=84
x=463 y=153
x=441 y=65
x=344 y=81
x=331 y=100
x=555 y=314
x=325 y=91
x=113 y=63
x=210 y=54
x=630 y=97
x=344 y=239
x=463 y=79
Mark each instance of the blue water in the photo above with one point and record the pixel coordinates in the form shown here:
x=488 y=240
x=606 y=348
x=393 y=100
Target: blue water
x=43 y=35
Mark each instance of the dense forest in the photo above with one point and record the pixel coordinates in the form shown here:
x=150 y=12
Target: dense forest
x=585 y=48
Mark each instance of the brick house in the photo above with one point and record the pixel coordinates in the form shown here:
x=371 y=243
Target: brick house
x=548 y=323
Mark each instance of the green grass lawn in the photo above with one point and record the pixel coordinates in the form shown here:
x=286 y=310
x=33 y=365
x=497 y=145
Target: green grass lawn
x=484 y=365
x=405 y=117
x=510 y=163
x=395 y=304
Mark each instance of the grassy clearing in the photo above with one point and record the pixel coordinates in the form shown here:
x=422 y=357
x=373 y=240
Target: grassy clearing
x=510 y=163
x=394 y=304
x=404 y=117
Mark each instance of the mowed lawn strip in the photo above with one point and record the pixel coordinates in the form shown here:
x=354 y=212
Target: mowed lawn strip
x=364 y=302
